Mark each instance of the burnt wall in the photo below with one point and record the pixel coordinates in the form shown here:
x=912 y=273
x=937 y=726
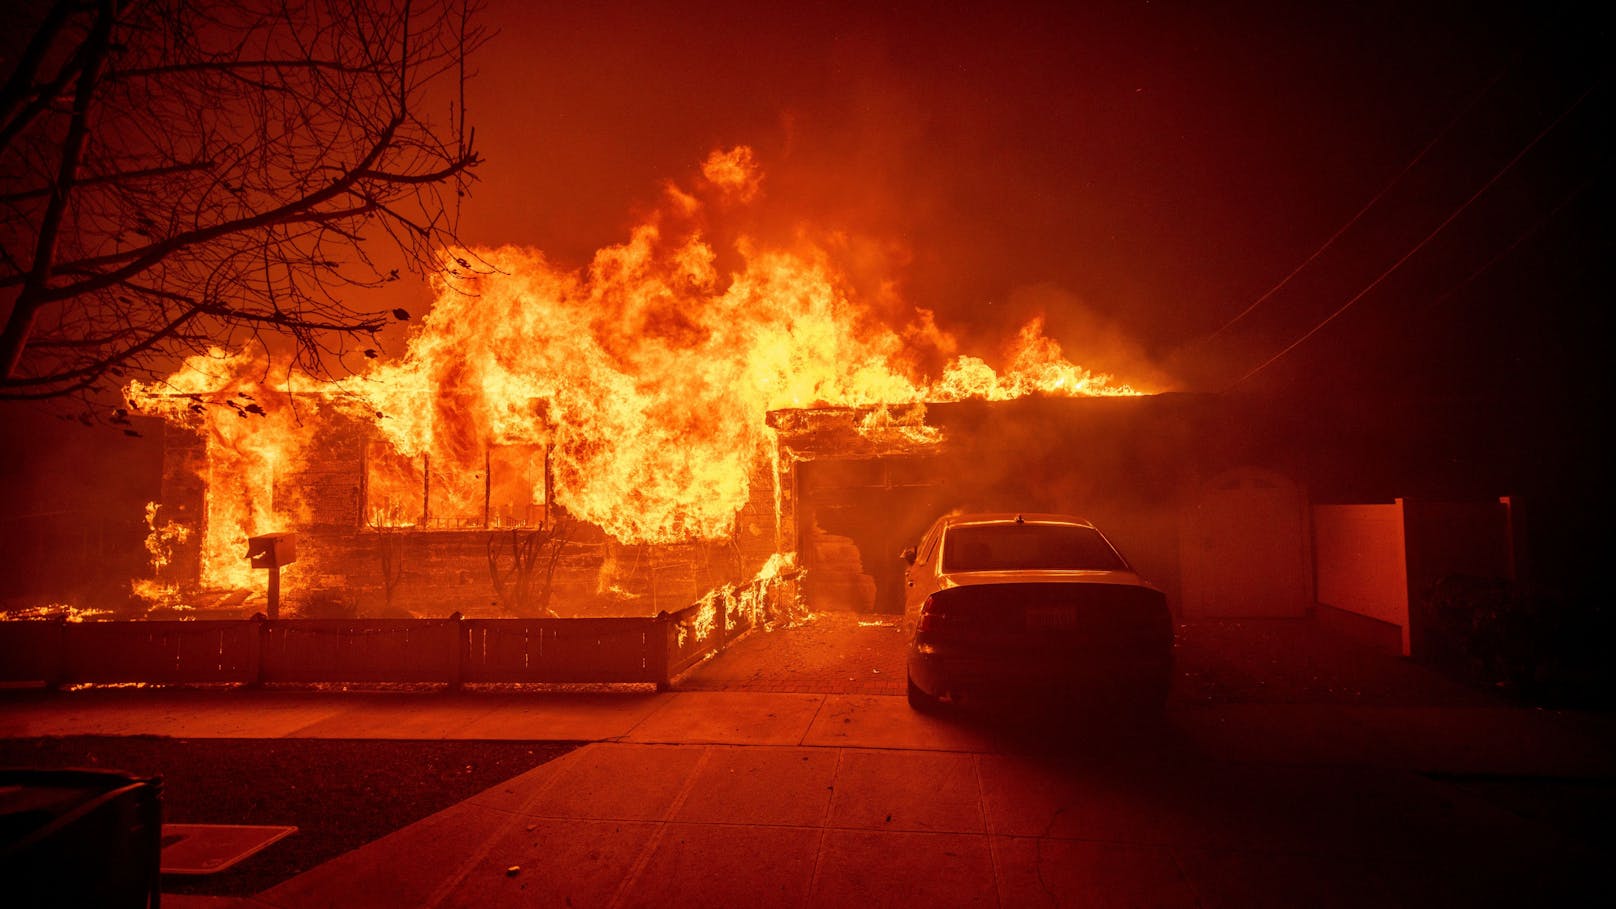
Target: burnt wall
x=857 y=514
x=400 y=572
x=325 y=489
x=758 y=528
x=347 y=567
x=183 y=501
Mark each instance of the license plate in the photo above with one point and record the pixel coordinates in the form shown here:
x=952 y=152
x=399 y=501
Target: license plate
x=1044 y=617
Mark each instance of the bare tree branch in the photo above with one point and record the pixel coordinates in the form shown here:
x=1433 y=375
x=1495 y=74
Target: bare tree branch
x=216 y=177
x=151 y=72
x=21 y=89
x=140 y=259
x=123 y=176
x=21 y=322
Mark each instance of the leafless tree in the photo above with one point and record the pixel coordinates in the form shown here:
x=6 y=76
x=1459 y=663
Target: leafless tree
x=534 y=556
x=183 y=174
x=392 y=545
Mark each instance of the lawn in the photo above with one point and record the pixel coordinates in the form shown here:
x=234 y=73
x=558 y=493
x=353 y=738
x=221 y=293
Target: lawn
x=339 y=793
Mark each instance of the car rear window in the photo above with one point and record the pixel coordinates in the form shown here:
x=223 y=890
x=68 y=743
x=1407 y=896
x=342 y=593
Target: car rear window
x=1028 y=547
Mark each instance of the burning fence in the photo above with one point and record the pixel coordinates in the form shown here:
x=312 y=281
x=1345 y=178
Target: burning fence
x=555 y=441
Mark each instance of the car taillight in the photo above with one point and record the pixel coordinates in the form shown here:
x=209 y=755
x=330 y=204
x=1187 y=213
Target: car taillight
x=931 y=614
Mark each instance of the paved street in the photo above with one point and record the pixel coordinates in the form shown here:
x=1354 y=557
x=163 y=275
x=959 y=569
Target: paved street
x=1328 y=793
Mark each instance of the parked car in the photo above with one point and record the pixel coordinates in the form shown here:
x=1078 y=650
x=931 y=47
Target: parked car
x=1032 y=606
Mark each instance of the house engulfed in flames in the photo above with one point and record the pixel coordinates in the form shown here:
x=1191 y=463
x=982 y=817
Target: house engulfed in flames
x=615 y=441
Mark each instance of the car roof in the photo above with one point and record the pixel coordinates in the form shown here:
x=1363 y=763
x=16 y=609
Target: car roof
x=1011 y=517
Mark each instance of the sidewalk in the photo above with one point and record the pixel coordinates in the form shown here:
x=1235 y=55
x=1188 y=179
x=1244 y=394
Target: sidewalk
x=1493 y=740
x=755 y=798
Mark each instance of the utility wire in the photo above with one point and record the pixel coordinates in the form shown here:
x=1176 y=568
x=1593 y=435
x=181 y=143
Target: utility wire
x=1413 y=162
x=1520 y=238
x=1428 y=237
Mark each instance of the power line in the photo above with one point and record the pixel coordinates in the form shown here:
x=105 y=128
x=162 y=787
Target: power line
x=1520 y=238
x=1428 y=238
x=1413 y=162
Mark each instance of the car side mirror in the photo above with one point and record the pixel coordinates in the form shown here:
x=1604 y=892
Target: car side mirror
x=908 y=555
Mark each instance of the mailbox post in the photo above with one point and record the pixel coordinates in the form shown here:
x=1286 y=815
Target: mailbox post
x=271 y=551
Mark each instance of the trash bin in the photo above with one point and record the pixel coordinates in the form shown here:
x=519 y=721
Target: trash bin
x=80 y=838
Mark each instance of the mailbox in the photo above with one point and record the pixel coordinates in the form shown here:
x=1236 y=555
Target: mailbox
x=272 y=550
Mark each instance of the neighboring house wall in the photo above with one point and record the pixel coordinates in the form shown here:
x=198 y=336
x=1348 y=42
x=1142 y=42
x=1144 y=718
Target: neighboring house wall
x=1382 y=562
x=1360 y=567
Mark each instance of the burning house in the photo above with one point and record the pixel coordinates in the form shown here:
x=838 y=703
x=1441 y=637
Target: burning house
x=612 y=441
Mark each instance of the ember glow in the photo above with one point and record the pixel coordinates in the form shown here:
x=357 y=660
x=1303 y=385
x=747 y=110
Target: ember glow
x=632 y=392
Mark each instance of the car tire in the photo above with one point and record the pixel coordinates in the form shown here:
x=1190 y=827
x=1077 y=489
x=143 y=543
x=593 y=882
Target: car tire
x=1163 y=695
x=1152 y=701
x=920 y=701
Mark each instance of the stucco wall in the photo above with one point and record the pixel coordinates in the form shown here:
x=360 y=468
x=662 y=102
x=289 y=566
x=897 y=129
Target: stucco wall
x=1360 y=564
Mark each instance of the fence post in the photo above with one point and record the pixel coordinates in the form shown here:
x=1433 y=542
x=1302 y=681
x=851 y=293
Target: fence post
x=659 y=642
x=56 y=677
x=462 y=645
x=262 y=623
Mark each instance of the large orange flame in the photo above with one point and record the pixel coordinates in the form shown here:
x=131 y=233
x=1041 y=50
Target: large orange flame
x=252 y=433
x=647 y=375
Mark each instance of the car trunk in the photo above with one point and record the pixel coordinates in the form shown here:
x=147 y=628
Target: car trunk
x=1049 y=617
